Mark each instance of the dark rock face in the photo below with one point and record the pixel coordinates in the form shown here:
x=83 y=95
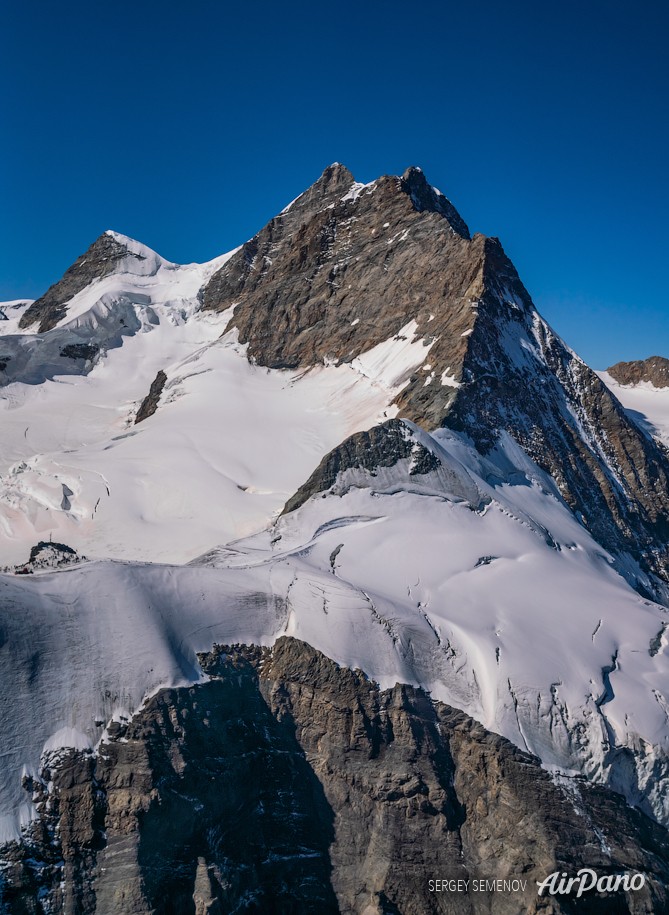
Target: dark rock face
x=85 y=351
x=98 y=261
x=654 y=369
x=45 y=545
x=566 y=419
x=396 y=250
x=381 y=446
x=289 y=785
x=150 y=403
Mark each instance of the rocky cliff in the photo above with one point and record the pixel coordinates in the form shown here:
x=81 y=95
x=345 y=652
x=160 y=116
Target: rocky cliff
x=655 y=370
x=287 y=784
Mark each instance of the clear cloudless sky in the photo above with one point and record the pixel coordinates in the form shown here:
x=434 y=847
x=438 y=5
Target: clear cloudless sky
x=189 y=124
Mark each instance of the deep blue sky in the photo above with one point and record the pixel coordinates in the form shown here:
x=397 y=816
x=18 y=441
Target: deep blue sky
x=188 y=125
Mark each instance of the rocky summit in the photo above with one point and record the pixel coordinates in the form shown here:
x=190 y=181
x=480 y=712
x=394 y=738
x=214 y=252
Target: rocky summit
x=332 y=580
x=348 y=266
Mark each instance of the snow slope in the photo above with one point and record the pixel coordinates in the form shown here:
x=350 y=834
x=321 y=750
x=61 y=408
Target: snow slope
x=10 y=315
x=227 y=447
x=478 y=584
x=646 y=404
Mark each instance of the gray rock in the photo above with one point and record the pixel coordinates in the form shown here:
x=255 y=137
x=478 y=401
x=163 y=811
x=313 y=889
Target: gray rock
x=150 y=403
x=287 y=784
x=381 y=446
x=85 y=351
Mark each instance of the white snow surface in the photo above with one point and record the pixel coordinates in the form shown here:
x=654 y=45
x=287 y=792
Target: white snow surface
x=647 y=405
x=474 y=580
x=229 y=444
x=356 y=190
x=492 y=596
x=10 y=315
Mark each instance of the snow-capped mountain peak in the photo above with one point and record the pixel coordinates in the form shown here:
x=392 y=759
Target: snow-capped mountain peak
x=356 y=430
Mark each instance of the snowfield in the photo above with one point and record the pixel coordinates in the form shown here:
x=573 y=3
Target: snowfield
x=448 y=582
x=229 y=445
x=647 y=405
x=473 y=580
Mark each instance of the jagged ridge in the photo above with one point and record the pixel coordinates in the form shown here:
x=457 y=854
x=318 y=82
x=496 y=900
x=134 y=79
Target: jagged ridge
x=655 y=369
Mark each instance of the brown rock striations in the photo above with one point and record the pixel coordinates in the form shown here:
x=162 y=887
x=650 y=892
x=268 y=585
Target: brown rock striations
x=383 y=255
x=348 y=266
x=100 y=259
x=655 y=369
x=287 y=784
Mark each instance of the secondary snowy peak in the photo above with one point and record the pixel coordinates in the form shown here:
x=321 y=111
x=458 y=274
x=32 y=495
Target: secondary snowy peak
x=110 y=253
x=654 y=371
x=118 y=289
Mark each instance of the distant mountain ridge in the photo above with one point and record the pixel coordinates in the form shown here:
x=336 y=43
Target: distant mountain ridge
x=655 y=370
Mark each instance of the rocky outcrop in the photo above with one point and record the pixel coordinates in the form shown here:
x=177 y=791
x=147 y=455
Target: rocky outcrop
x=85 y=351
x=47 y=555
x=655 y=370
x=381 y=446
x=150 y=403
x=100 y=259
x=287 y=784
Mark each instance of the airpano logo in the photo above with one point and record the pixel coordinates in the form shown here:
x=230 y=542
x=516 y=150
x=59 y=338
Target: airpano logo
x=586 y=880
